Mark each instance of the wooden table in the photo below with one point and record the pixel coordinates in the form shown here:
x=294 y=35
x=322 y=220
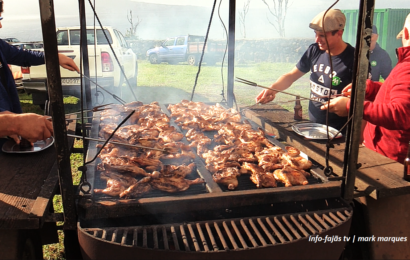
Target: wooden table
x=28 y=183
x=383 y=197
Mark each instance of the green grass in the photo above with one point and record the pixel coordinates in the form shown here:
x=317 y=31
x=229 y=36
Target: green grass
x=170 y=84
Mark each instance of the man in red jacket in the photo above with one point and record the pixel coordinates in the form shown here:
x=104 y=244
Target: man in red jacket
x=387 y=106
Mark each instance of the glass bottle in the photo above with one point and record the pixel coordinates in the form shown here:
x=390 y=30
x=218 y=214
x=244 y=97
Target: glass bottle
x=406 y=163
x=298 y=109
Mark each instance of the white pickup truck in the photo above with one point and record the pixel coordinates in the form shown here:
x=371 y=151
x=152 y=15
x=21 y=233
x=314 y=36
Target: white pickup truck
x=104 y=68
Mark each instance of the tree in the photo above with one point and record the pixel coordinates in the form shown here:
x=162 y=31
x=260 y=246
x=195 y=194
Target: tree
x=132 y=32
x=279 y=11
x=242 y=16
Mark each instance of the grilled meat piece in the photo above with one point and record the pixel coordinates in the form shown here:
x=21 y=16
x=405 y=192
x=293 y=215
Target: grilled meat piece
x=116 y=183
x=180 y=171
x=269 y=162
x=293 y=158
x=259 y=176
x=172 y=183
x=290 y=176
x=228 y=177
x=138 y=189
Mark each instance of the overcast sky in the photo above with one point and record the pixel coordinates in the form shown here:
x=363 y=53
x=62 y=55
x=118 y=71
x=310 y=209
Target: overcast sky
x=22 y=19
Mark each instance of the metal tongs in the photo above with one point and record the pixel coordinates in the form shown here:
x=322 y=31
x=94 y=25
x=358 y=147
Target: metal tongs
x=251 y=83
x=165 y=150
x=94 y=109
x=109 y=93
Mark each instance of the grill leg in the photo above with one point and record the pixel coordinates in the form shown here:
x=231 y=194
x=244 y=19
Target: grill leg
x=71 y=245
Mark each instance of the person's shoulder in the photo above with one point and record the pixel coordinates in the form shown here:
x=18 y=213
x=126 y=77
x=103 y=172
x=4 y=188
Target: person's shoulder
x=349 y=47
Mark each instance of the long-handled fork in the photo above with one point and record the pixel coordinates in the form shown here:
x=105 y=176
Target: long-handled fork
x=165 y=150
x=109 y=93
x=250 y=83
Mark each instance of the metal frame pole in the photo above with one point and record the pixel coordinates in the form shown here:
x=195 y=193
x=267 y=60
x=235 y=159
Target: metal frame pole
x=360 y=75
x=84 y=53
x=231 y=52
x=57 y=109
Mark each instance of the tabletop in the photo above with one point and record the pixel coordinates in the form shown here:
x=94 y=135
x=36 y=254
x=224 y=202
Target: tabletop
x=378 y=175
x=28 y=182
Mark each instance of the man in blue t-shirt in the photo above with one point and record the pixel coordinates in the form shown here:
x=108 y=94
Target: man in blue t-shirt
x=323 y=80
x=380 y=61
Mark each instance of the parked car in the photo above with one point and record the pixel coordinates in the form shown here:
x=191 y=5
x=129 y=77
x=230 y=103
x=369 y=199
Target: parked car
x=10 y=40
x=186 y=48
x=103 y=65
x=28 y=45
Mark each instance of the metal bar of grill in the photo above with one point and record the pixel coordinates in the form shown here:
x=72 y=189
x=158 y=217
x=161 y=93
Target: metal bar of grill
x=291 y=228
x=135 y=238
x=255 y=229
x=214 y=245
x=282 y=228
x=277 y=234
x=267 y=233
x=286 y=228
x=184 y=238
x=316 y=225
x=191 y=231
x=155 y=238
x=174 y=237
x=251 y=238
x=124 y=237
x=333 y=216
x=320 y=220
x=201 y=234
x=221 y=237
x=299 y=226
x=238 y=233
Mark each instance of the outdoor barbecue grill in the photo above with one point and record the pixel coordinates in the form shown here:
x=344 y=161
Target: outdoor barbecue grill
x=210 y=218
x=204 y=222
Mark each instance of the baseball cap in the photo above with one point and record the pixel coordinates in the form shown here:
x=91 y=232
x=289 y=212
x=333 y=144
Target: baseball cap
x=374 y=29
x=334 y=20
x=406 y=24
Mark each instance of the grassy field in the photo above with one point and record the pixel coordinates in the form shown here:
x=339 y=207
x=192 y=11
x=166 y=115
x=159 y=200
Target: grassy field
x=172 y=83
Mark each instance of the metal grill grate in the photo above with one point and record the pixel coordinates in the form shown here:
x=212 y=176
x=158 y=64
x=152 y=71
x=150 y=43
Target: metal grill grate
x=224 y=235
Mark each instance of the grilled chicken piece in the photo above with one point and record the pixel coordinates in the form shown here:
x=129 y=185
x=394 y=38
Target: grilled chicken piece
x=172 y=183
x=178 y=150
x=178 y=171
x=138 y=189
x=269 y=162
x=293 y=158
x=259 y=176
x=228 y=177
x=116 y=183
x=290 y=176
x=216 y=167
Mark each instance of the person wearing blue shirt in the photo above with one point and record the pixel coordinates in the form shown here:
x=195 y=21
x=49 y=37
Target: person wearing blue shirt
x=9 y=99
x=380 y=61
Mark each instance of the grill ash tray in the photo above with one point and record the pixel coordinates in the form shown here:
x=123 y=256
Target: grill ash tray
x=207 y=196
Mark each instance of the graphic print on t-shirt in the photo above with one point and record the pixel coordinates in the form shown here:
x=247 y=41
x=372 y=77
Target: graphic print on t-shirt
x=319 y=92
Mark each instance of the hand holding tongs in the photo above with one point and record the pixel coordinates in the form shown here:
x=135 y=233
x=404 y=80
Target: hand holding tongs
x=247 y=82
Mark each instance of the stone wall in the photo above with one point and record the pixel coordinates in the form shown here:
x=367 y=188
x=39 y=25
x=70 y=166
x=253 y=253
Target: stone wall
x=248 y=51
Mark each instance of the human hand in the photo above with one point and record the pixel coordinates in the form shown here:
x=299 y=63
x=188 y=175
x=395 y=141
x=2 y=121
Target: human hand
x=67 y=63
x=33 y=127
x=265 y=96
x=337 y=106
x=347 y=91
